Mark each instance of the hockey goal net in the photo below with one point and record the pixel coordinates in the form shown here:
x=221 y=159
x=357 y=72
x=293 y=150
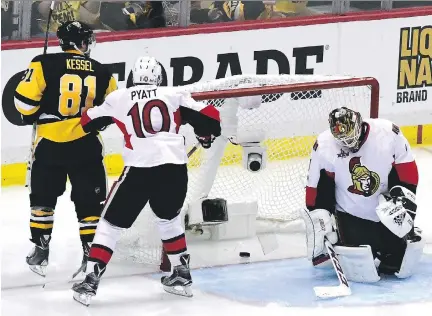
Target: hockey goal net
x=291 y=112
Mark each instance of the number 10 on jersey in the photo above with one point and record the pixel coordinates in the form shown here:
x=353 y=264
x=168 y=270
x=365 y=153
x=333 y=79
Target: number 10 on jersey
x=144 y=120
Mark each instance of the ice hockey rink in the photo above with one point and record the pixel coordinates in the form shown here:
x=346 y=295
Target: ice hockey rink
x=283 y=286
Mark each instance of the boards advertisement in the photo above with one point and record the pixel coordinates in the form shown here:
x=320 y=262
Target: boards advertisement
x=399 y=56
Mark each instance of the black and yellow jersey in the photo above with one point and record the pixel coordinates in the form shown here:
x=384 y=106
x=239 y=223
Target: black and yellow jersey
x=119 y=16
x=285 y=7
x=56 y=87
x=251 y=10
x=63 y=11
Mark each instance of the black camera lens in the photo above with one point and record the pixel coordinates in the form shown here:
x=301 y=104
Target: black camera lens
x=255 y=165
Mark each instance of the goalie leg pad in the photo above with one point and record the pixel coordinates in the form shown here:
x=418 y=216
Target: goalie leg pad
x=318 y=225
x=411 y=258
x=358 y=263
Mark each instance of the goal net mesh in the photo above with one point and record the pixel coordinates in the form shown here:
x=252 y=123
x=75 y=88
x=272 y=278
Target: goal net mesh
x=286 y=124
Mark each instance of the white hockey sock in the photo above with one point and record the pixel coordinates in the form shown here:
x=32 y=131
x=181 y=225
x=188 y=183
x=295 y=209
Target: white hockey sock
x=173 y=238
x=103 y=244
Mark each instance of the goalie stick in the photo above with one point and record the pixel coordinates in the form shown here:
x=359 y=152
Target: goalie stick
x=33 y=137
x=343 y=289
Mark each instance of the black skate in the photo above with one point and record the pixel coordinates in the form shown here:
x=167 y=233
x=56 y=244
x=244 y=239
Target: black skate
x=180 y=281
x=84 y=291
x=86 y=250
x=38 y=257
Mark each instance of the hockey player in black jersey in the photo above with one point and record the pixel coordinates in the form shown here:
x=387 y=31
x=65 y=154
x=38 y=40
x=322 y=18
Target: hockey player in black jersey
x=52 y=93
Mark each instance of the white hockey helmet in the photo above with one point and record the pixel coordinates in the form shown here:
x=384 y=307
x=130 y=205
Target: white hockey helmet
x=147 y=70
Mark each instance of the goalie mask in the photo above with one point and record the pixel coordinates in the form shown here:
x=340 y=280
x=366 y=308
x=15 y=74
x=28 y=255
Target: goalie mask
x=346 y=127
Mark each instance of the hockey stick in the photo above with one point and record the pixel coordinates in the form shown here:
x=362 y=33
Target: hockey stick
x=48 y=25
x=33 y=137
x=194 y=149
x=343 y=289
x=30 y=157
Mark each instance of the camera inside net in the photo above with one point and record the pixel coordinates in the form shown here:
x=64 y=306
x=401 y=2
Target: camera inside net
x=254 y=157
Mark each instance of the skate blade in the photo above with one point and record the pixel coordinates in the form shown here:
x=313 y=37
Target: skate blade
x=82 y=298
x=179 y=290
x=40 y=270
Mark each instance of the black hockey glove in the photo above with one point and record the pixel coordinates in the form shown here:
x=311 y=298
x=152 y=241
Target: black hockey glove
x=206 y=141
x=97 y=125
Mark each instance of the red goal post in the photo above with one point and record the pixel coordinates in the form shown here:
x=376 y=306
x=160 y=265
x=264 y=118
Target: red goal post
x=295 y=87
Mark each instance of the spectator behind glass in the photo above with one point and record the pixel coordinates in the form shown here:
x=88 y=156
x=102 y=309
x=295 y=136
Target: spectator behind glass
x=83 y=11
x=132 y=15
x=224 y=11
x=7 y=26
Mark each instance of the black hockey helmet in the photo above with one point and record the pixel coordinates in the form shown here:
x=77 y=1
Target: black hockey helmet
x=346 y=126
x=74 y=35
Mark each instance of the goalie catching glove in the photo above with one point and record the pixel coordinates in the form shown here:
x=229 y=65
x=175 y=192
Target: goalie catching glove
x=397 y=211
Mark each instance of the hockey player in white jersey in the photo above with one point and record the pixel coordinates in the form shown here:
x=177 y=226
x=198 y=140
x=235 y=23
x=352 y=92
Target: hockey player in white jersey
x=363 y=172
x=155 y=170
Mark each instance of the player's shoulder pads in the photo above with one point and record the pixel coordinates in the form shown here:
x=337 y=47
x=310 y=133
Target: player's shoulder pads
x=38 y=58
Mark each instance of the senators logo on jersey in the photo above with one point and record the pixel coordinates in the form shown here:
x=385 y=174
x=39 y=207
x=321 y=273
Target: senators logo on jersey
x=365 y=182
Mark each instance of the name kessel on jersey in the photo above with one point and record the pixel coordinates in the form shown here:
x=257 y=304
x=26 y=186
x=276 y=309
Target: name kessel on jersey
x=79 y=64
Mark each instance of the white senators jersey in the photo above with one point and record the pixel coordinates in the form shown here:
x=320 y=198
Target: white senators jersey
x=149 y=118
x=358 y=178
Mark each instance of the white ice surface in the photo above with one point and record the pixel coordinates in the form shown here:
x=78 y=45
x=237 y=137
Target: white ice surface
x=137 y=293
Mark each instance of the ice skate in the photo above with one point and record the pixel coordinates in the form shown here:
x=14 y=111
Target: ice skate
x=38 y=257
x=180 y=281
x=84 y=291
x=82 y=269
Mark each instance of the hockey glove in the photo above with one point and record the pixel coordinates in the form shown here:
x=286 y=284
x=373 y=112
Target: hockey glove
x=398 y=210
x=206 y=141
